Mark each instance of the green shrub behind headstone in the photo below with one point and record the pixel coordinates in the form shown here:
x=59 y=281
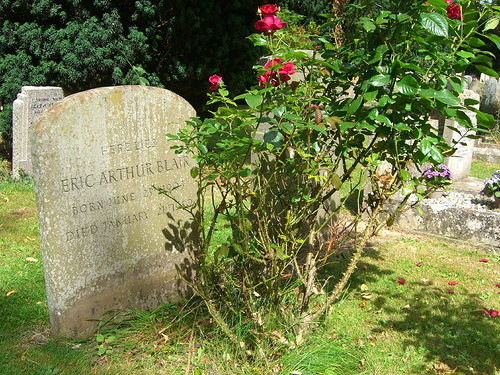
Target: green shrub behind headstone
x=82 y=44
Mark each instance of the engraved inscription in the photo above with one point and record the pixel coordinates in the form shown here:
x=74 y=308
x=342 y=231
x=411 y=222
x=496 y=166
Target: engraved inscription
x=124 y=173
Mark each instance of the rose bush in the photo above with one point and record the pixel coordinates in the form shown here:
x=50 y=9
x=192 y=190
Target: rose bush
x=271 y=160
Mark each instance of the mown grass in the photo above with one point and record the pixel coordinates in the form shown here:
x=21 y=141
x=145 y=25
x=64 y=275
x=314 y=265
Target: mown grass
x=378 y=327
x=482 y=169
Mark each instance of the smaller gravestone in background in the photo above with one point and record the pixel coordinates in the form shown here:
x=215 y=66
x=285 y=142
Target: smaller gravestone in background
x=459 y=164
x=490 y=96
x=30 y=103
x=109 y=241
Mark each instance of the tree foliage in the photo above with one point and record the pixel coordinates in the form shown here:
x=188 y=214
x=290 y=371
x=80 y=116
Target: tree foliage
x=82 y=44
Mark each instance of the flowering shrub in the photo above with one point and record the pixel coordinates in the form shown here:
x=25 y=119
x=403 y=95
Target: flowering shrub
x=492 y=185
x=437 y=176
x=271 y=160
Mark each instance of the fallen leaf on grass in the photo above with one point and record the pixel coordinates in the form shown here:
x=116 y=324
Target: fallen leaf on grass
x=442 y=368
x=11 y=292
x=31 y=259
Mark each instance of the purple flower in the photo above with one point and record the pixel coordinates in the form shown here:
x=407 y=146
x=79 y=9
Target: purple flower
x=492 y=185
x=437 y=175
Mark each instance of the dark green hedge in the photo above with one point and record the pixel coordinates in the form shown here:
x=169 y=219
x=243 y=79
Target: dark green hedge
x=82 y=44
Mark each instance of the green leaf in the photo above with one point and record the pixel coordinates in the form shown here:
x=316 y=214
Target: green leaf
x=203 y=148
x=445 y=96
x=253 y=101
x=346 y=125
x=273 y=138
x=383 y=119
x=488 y=71
x=475 y=42
x=336 y=181
x=494 y=38
x=484 y=119
x=408 y=86
x=354 y=105
x=402 y=127
x=367 y=24
x=436 y=155
x=491 y=24
x=100 y=338
x=194 y=172
x=223 y=92
x=407 y=190
x=425 y=146
x=245 y=172
x=427 y=93
x=380 y=80
x=222 y=251
x=258 y=40
x=370 y=95
x=384 y=100
x=434 y=23
x=466 y=54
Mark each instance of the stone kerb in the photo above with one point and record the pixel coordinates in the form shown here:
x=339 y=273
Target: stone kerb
x=30 y=103
x=109 y=241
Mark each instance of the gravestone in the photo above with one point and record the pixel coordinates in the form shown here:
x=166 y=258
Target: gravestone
x=490 y=96
x=459 y=164
x=109 y=241
x=30 y=103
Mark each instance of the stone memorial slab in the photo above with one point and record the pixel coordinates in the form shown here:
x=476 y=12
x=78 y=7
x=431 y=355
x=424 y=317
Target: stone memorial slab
x=459 y=164
x=30 y=103
x=109 y=241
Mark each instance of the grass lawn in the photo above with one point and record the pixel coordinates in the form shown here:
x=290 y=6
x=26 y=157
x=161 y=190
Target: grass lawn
x=380 y=325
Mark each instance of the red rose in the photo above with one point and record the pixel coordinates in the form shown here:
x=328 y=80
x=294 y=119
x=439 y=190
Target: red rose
x=453 y=10
x=269 y=23
x=272 y=76
x=268 y=9
x=214 y=80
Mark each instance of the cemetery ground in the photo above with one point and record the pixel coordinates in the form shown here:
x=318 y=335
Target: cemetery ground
x=414 y=306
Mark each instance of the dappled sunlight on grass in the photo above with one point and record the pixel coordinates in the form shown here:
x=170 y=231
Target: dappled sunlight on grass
x=445 y=324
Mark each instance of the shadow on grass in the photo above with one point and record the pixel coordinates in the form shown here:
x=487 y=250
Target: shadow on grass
x=454 y=331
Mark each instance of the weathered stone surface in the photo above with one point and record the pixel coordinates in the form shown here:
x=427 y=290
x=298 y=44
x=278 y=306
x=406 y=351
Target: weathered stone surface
x=459 y=164
x=489 y=153
x=30 y=103
x=469 y=225
x=109 y=241
x=490 y=96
